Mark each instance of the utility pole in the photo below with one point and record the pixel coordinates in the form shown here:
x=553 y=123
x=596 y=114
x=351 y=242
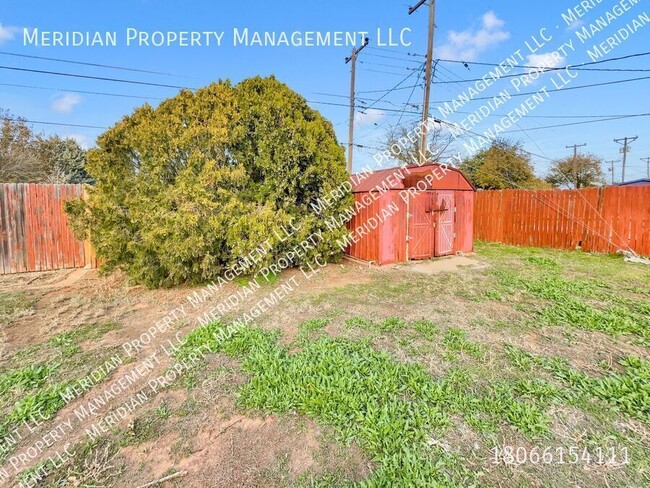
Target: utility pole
x=427 y=75
x=575 y=156
x=353 y=71
x=611 y=168
x=625 y=141
x=647 y=162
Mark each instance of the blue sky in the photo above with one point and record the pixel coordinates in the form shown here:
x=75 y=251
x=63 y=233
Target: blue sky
x=480 y=31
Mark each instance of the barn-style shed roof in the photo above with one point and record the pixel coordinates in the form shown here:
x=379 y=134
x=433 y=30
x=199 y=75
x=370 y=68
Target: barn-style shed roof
x=402 y=177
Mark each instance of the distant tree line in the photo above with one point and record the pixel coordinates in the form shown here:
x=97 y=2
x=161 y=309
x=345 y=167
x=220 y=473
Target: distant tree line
x=28 y=157
x=502 y=165
x=505 y=164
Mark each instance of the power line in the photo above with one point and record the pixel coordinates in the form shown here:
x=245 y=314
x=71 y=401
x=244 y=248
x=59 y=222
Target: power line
x=545 y=70
x=387 y=109
x=332 y=94
x=83 y=63
x=63 y=124
x=394 y=88
x=453 y=75
x=393 y=51
x=591 y=85
x=361 y=99
x=532 y=116
x=591 y=63
x=367 y=147
x=99 y=78
x=580 y=123
x=556 y=116
x=380 y=71
x=401 y=113
x=577 y=66
x=382 y=91
x=394 y=57
x=453 y=124
x=449 y=76
x=409 y=98
x=121 y=95
x=387 y=65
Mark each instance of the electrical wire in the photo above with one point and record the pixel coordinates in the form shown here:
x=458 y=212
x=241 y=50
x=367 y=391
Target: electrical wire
x=97 y=65
x=387 y=65
x=99 y=78
x=393 y=51
x=579 y=123
x=394 y=88
x=577 y=66
x=542 y=71
x=553 y=90
x=393 y=57
x=121 y=95
x=380 y=71
x=63 y=124
x=387 y=109
x=591 y=63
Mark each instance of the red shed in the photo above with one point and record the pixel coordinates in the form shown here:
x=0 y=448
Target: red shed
x=411 y=212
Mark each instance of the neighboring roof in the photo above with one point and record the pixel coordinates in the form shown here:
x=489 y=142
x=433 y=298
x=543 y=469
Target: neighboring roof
x=639 y=182
x=401 y=177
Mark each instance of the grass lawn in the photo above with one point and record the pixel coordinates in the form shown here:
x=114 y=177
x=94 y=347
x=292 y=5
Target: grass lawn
x=531 y=368
x=490 y=400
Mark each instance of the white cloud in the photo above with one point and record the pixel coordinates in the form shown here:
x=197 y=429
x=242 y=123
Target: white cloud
x=542 y=60
x=491 y=21
x=368 y=116
x=546 y=60
x=65 y=102
x=83 y=140
x=7 y=33
x=468 y=44
x=575 y=25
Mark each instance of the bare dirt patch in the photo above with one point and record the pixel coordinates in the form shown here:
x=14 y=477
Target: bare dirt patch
x=249 y=450
x=442 y=265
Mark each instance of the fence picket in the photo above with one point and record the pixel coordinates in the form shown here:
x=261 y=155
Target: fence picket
x=604 y=219
x=35 y=232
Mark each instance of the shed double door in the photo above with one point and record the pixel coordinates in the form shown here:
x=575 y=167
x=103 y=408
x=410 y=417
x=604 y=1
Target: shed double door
x=431 y=224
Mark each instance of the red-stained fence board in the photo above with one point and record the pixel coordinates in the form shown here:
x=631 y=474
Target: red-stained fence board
x=35 y=233
x=600 y=219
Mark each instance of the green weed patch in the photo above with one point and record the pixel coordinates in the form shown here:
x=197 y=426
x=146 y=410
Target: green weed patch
x=34 y=390
x=390 y=409
x=585 y=304
x=628 y=391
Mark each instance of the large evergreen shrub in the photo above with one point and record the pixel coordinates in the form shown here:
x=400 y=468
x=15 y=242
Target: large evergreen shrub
x=187 y=189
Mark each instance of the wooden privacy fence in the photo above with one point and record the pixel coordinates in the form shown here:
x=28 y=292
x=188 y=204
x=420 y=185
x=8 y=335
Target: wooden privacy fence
x=36 y=234
x=596 y=219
